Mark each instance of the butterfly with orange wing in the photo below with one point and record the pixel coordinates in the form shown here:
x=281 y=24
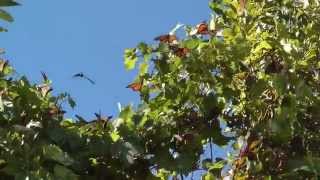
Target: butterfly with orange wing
x=180 y=51
x=136 y=86
x=203 y=28
x=167 y=38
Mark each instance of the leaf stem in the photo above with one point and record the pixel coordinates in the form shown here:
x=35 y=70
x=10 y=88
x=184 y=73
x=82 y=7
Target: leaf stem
x=211 y=148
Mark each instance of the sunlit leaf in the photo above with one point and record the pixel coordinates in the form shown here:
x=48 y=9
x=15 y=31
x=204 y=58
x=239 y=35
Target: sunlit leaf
x=5 y=16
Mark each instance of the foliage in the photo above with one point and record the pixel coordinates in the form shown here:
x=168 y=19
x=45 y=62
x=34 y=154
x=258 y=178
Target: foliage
x=249 y=77
x=4 y=15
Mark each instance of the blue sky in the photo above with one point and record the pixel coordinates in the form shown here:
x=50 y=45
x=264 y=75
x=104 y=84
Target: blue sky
x=64 y=37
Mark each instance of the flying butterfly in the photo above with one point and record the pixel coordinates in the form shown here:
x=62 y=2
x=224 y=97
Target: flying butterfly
x=44 y=76
x=167 y=38
x=81 y=75
x=135 y=86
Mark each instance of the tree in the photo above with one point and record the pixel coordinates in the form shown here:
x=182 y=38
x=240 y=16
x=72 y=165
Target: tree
x=248 y=78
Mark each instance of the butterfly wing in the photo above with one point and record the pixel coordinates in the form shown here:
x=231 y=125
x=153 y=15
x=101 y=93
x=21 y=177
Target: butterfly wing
x=135 y=86
x=90 y=80
x=44 y=76
x=78 y=75
x=167 y=38
x=81 y=75
x=203 y=28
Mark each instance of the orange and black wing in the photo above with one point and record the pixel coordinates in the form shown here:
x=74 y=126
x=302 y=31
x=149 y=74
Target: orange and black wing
x=135 y=86
x=167 y=38
x=203 y=28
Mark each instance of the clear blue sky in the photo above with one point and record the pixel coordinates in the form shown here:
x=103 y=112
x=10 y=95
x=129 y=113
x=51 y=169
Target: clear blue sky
x=64 y=37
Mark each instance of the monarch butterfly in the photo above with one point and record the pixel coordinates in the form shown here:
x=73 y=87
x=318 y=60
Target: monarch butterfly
x=167 y=38
x=81 y=75
x=135 y=86
x=180 y=52
x=202 y=28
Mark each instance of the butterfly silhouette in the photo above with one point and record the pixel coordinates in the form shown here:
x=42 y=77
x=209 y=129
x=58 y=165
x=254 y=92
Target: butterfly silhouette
x=81 y=75
x=45 y=77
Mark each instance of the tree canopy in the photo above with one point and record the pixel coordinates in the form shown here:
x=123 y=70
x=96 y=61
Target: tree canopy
x=248 y=79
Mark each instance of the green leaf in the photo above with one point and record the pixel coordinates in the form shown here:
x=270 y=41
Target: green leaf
x=62 y=172
x=67 y=122
x=279 y=83
x=5 y=16
x=263 y=45
x=191 y=43
x=2 y=29
x=1 y=104
x=3 y=163
x=8 y=3
x=216 y=7
x=303 y=90
x=217 y=165
x=208 y=176
x=257 y=88
x=143 y=68
x=71 y=102
x=114 y=136
x=163 y=174
x=53 y=152
x=127 y=116
x=130 y=58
